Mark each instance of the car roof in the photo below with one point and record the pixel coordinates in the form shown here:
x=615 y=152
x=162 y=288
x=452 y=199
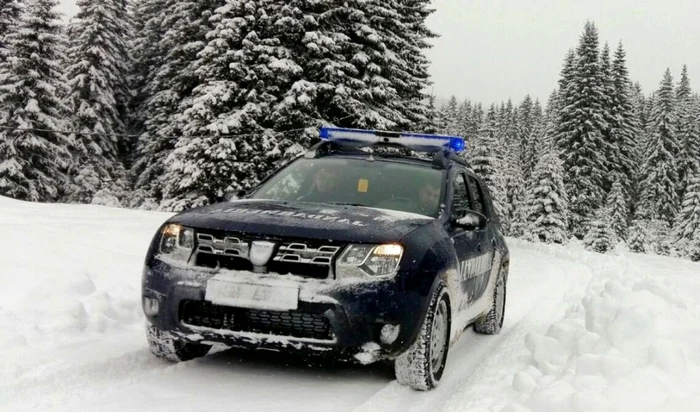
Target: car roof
x=440 y=160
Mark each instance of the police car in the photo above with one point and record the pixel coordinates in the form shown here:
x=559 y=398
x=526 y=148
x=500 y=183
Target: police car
x=352 y=250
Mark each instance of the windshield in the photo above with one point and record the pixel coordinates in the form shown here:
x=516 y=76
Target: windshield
x=385 y=185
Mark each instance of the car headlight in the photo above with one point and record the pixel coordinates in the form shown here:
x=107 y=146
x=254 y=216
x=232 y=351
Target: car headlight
x=177 y=241
x=369 y=260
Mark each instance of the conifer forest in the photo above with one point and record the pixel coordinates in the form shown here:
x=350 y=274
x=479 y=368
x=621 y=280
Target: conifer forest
x=173 y=104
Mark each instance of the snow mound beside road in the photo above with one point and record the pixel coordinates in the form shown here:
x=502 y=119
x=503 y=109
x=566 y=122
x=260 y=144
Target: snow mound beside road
x=633 y=343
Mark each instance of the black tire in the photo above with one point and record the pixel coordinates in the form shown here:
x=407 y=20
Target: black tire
x=492 y=322
x=164 y=345
x=421 y=366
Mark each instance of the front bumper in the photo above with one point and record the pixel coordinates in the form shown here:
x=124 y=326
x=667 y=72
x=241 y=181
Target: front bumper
x=353 y=313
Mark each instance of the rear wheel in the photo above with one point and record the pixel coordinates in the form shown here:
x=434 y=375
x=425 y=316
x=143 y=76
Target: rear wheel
x=492 y=323
x=165 y=346
x=422 y=365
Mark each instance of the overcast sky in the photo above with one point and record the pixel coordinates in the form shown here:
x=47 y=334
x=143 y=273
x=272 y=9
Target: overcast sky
x=492 y=50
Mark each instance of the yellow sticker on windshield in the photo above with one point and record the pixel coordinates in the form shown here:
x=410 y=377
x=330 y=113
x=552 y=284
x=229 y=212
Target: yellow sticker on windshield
x=363 y=185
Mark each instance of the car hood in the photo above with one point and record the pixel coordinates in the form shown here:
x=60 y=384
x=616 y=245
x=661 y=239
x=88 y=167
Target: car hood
x=304 y=220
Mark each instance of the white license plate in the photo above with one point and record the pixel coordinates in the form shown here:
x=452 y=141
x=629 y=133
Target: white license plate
x=245 y=295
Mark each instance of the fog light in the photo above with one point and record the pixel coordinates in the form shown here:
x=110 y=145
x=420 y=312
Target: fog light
x=389 y=333
x=150 y=306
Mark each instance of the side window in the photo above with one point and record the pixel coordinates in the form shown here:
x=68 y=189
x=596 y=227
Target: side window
x=460 y=202
x=478 y=197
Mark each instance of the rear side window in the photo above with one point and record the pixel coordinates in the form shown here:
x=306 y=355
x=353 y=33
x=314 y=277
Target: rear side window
x=460 y=202
x=477 y=195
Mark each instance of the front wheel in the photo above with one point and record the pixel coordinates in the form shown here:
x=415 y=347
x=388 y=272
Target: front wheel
x=422 y=365
x=164 y=345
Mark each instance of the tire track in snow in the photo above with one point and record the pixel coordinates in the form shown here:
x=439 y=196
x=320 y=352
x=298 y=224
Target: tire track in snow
x=540 y=289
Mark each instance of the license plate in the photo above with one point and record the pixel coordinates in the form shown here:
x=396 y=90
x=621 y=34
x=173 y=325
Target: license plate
x=251 y=296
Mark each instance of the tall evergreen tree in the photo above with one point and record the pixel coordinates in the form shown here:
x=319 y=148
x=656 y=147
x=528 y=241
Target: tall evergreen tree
x=546 y=205
x=408 y=39
x=636 y=240
x=486 y=164
x=608 y=89
x=687 y=227
x=449 y=115
x=226 y=143
x=148 y=29
x=660 y=183
x=525 y=127
x=600 y=237
x=550 y=125
x=97 y=75
x=184 y=34
x=618 y=211
x=33 y=163
x=688 y=134
x=624 y=127
x=580 y=134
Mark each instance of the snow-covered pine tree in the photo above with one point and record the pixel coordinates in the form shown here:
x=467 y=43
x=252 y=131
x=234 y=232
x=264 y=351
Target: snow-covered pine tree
x=549 y=121
x=580 y=134
x=431 y=122
x=618 y=210
x=449 y=115
x=409 y=72
x=688 y=134
x=226 y=143
x=636 y=239
x=97 y=79
x=9 y=13
x=485 y=163
x=660 y=182
x=659 y=236
x=33 y=163
x=546 y=206
x=148 y=29
x=534 y=148
x=524 y=134
x=600 y=237
x=184 y=30
x=566 y=82
x=464 y=113
x=371 y=48
x=687 y=226
x=608 y=88
x=624 y=125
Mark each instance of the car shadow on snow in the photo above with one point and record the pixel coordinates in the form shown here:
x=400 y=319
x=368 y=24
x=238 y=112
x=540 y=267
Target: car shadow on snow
x=292 y=366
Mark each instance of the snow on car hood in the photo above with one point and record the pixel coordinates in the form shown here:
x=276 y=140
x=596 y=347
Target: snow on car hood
x=307 y=220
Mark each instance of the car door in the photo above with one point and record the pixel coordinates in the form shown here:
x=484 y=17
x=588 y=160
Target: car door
x=464 y=241
x=484 y=239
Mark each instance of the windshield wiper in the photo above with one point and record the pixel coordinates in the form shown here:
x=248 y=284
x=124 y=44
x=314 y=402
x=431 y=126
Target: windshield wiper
x=346 y=204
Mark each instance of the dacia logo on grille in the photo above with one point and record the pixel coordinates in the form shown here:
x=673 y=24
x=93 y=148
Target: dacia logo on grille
x=261 y=252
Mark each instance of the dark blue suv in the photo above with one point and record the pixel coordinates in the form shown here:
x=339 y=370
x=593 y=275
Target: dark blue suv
x=355 y=249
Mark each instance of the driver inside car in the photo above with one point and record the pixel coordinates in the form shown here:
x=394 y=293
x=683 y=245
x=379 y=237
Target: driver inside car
x=428 y=198
x=325 y=186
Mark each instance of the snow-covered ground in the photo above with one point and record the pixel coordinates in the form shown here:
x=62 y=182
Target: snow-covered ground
x=583 y=332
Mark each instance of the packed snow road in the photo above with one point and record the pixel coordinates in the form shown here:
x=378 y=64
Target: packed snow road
x=582 y=332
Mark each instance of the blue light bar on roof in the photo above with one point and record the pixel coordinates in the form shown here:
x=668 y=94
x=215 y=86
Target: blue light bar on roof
x=414 y=141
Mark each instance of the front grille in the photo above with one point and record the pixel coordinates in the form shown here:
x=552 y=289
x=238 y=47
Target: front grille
x=296 y=324
x=302 y=257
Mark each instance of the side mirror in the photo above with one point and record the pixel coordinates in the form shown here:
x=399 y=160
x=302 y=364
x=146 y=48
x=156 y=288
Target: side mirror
x=472 y=221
